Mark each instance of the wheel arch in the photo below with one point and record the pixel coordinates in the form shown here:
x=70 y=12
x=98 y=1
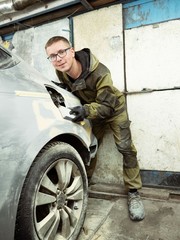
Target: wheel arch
x=76 y=143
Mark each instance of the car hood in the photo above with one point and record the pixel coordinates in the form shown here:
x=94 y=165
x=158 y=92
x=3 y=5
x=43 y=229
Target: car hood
x=23 y=79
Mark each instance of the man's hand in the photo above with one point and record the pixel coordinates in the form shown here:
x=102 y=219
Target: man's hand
x=79 y=113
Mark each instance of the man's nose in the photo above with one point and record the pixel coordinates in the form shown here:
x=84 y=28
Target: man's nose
x=59 y=58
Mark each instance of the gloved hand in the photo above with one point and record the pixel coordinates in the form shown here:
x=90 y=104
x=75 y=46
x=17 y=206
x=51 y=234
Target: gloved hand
x=79 y=113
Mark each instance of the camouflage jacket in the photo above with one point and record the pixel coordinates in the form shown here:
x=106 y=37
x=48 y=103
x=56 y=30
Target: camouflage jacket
x=94 y=87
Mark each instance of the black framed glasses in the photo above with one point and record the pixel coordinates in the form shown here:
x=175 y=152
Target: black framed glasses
x=61 y=53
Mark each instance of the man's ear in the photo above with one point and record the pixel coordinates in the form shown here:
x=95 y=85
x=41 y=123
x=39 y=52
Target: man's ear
x=72 y=51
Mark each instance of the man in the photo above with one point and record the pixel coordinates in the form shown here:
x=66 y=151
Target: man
x=103 y=104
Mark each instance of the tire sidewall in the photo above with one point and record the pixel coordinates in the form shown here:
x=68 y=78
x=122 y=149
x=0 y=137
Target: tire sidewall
x=44 y=160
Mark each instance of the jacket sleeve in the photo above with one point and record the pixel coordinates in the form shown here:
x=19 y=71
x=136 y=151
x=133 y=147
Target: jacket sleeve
x=106 y=101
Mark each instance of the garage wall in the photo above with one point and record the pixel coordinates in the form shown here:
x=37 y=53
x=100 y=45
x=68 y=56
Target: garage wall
x=153 y=56
x=102 y=32
x=152 y=62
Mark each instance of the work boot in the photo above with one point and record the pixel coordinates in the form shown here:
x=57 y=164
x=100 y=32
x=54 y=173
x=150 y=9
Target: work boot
x=136 y=208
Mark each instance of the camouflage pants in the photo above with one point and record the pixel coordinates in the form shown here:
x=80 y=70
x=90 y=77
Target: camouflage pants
x=120 y=126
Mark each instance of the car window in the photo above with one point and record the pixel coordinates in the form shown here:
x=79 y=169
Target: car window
x=6 y=59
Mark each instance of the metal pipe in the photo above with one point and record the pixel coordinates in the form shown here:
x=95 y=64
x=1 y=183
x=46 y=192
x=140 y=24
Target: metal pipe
x=86 y=4
x=6 y=6
x=9 y=6
x=71 y=28
x=21 y=4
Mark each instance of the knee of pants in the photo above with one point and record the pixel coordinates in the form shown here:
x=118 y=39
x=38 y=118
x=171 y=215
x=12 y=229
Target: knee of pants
x=129 y=154
x=130 y=161
x=124 y=145
x=125 y=141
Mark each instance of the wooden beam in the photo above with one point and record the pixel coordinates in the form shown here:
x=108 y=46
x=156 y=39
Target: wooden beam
x=86 y=4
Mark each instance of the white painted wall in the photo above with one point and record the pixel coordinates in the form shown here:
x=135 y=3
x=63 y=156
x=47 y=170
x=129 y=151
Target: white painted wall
x=152 y=60
x=153 y=56
x=156 y=129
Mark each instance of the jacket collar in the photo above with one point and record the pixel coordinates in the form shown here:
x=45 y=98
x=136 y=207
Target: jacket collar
x=83 y=56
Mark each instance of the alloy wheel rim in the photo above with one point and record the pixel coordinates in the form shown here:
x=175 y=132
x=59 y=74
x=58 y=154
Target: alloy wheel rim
x=58 y=201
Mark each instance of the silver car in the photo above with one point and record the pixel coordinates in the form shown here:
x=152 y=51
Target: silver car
x=43 y=181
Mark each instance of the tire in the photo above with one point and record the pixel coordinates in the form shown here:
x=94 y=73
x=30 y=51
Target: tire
x=54 y=198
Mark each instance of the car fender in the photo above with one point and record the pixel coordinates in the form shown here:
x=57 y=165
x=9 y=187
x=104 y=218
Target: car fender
x=14 y=182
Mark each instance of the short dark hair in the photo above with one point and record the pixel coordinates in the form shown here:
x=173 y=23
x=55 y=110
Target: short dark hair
x=56 y=39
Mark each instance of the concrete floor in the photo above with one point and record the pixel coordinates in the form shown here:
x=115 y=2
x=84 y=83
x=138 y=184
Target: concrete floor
x=107 y=216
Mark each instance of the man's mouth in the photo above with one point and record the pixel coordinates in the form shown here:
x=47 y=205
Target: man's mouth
x=61 y=65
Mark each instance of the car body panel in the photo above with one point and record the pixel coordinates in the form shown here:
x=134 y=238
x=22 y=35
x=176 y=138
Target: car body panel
x=29 y=120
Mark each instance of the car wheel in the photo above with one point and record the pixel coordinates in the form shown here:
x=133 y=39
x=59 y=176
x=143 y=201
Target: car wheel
x=53 y=202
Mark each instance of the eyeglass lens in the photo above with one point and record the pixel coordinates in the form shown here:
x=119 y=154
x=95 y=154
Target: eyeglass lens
x=61 y=53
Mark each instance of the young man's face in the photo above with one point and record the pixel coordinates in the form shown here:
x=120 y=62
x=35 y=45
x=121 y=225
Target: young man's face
x=61 y=56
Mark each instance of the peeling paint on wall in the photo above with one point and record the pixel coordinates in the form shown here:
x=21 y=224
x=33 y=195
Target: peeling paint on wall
x=6 y=43
x=144 y=12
